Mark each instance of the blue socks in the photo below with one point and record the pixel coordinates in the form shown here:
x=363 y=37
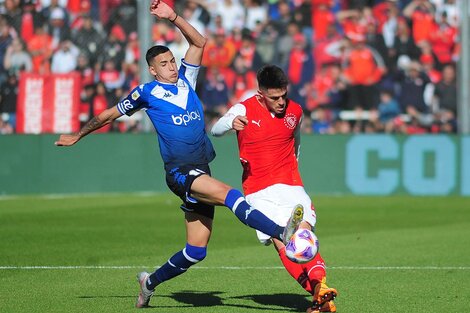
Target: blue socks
x=190 y=255
x=250 y=216
x=177 y=265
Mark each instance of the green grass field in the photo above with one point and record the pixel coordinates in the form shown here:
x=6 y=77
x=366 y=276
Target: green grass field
x=81 y=254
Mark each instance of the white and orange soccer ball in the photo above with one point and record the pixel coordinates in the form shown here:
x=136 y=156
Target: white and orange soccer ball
x=302 y=247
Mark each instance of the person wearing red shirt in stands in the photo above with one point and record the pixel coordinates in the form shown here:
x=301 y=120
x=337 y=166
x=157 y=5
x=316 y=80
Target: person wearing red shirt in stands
x=40 y=47
x=322 y=19
x=300 y=69
x=243 y=80
x=363 y=69
x=268 y=133
x=443 y=38
x=219 y=52
x=99 y=104
x=421 y=14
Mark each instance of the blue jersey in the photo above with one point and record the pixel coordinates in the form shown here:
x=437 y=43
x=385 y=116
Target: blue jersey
x=177 y=115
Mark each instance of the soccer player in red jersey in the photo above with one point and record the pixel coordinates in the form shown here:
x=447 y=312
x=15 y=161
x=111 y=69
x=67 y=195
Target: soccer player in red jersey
x=268 y=133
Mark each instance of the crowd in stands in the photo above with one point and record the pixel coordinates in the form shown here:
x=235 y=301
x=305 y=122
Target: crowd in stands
x=354 y=66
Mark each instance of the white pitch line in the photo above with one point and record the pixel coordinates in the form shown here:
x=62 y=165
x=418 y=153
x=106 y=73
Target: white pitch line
x=110 y=267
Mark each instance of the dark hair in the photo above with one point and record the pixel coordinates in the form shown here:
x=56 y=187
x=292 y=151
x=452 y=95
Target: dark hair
x=271 y=77
x=154 y=51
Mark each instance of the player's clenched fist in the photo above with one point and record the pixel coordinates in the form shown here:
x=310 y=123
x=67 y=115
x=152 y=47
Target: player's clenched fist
x=239 y=122
x=161 y=10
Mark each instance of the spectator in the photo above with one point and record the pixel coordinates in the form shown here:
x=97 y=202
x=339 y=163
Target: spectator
x=86 y=97
x=99 y=104
x=89 y=39
x=421 y=14
x=375 y=40
x=388 y=111
x=323 y=20
x=285 y=44
x=5 y=42
x=58 y=27
x=219 y=52
x=255 y=13
x=404 y=44
x=390 y=24
x=322 y=47
x=214 y=95
x=321 y=123
x=445 y=95
x=8 y=101
x=64 y=60
x=60 y=11
x=124 y=15
x=247 y=53
x=30 y=19
x=16 y=58
x=363 y=69
x=451 y=10
x=132 y=76
x=443 y=39
x=428 y=61
x=86 y=71
x=113 y=48
x=197 y=15
x=266 y=44
x=132 y=51
x=178 y=46
x=285 y=17
x=40 y=48
x=77 y=8
x=300 y=70
x=412 y=85
x=353 y=22
x=303 y=17
x=111 y=76
x=327 y=89
x=243 y=82
x=13 y=15
x=231 y=13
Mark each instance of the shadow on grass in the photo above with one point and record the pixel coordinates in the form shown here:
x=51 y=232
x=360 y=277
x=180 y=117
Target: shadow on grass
x=288 y=302
x=266 y=302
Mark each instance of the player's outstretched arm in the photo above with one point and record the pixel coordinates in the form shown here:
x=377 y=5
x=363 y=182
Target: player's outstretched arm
x=105 y=117
x=196 y=41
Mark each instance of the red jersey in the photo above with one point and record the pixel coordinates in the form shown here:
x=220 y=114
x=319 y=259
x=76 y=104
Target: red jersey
x=266 y=146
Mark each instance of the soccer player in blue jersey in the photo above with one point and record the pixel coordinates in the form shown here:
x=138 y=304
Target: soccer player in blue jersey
x=177 y=115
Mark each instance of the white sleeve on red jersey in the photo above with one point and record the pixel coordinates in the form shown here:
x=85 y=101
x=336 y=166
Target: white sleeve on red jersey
x=224 y=124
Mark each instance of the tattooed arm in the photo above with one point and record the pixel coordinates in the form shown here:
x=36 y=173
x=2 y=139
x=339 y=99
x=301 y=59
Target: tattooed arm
x=105 y=117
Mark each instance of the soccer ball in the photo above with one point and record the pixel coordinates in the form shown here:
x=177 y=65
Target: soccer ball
x=302 y=247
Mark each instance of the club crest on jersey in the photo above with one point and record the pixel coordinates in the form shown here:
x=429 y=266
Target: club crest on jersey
x=290 y=120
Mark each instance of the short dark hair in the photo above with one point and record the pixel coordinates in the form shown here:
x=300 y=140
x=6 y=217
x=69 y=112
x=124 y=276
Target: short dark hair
x=154 y=51
x=271 y=77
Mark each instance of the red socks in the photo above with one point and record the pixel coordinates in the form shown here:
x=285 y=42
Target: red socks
x=307 y=274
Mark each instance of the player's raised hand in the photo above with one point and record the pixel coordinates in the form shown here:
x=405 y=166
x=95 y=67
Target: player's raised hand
x=239 y=122
x=67 y=140
x=161 y=10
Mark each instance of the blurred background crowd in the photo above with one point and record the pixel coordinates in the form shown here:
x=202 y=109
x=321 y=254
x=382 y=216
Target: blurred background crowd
x=355 y=66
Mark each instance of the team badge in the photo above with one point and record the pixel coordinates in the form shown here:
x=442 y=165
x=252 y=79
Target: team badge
x=290 y=120
x=135 y=95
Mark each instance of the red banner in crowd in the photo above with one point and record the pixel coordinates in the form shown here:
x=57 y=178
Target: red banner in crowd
x=48 y=103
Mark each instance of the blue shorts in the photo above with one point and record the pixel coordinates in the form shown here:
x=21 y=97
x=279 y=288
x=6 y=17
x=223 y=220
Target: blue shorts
x=179 y=180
